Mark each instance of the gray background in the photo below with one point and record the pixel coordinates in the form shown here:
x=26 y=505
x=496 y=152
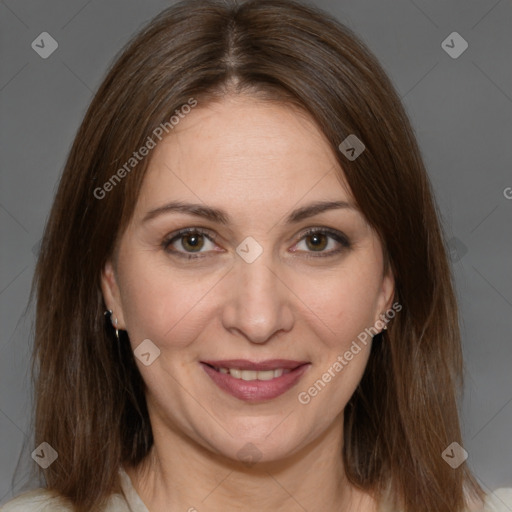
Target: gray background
x=462 y=113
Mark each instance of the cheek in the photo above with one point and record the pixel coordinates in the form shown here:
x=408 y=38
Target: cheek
x=163 y=305
x=347 y=306
x=340 y=304
x=172 y=306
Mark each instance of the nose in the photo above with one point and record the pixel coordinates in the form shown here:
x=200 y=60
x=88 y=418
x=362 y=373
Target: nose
x=259 y=302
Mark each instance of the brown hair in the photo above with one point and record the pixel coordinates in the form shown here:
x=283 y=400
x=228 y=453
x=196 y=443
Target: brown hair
x=90 y=403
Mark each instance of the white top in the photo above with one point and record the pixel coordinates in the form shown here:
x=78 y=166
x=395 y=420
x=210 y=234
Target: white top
x=43 y=500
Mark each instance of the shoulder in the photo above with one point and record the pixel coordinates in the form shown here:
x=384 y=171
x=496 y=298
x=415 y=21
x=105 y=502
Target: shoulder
x=38 y=500
x=499 y=501
x=44 y=500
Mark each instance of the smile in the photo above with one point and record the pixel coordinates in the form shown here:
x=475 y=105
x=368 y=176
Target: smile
x=249 y=375
x=255 y=382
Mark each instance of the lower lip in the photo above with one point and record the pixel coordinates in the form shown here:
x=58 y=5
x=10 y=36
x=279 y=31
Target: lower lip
x=255 y=390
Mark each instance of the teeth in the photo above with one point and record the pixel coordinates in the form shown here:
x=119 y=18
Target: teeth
x=249 y=375
x=236 y=373
x=252 y=374
x=266 y=375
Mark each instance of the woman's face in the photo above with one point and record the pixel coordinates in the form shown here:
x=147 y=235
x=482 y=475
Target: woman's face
x=252 y=290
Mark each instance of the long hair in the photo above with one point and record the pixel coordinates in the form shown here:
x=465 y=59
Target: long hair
x=90 y=402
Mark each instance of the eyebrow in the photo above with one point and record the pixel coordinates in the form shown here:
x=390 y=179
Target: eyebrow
x=221 y=217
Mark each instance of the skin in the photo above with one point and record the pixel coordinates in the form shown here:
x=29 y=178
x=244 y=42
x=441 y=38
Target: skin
x=258 y=161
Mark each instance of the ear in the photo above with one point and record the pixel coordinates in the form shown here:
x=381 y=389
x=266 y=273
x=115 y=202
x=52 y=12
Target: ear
x=386 y=294
x=111 y=294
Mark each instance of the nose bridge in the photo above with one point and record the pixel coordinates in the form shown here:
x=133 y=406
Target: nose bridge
x=259 y=303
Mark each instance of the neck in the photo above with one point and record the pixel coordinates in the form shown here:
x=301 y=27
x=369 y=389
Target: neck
x=180 y=474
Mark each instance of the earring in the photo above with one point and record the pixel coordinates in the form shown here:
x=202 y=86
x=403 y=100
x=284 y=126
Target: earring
x=114 y=323
x=385 y=320
x=117 y=330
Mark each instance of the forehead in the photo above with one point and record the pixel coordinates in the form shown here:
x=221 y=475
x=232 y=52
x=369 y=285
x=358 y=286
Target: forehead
x=243 y=151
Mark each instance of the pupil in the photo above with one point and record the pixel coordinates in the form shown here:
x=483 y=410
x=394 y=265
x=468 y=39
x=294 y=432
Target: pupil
x=317 y=241
x=192 y=241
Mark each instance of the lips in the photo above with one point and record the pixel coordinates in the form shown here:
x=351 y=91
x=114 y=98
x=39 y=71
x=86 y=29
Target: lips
x=245 y=364
x=255 y=381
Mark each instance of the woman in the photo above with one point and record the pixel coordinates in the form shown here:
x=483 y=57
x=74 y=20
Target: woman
x=243 y=296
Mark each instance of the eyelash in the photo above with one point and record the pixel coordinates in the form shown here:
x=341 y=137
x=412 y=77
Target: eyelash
x=336 y=235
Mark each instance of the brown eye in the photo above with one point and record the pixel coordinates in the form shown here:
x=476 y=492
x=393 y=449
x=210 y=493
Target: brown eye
x=189 y=243
x=317 y=241
x=324 y=242
x=192 y=242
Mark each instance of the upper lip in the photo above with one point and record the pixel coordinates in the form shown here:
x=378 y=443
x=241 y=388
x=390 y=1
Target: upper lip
x=246 y=364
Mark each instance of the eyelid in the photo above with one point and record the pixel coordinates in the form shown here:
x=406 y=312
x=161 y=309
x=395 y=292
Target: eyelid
x=338 y=236
x=169 y=239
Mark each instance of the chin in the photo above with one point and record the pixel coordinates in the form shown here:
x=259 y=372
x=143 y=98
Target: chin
x=260 y=442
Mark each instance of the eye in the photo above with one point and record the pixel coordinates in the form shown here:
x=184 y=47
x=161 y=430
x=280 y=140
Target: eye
x=324 y=242
x=193 y=243
x=188 y=243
